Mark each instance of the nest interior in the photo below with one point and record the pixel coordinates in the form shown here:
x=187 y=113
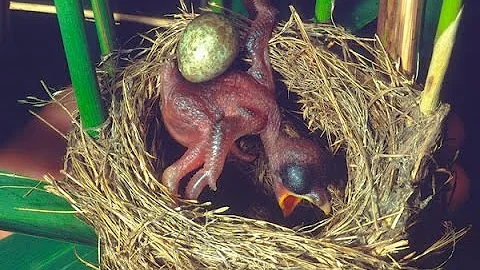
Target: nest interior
x=362 y=106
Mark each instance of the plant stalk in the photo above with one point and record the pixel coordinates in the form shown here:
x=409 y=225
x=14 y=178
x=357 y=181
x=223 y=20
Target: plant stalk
x=323 y=10
x=80 y=65
x=216 y=5
x=119 y=17
x=442 y=50
x=105 y=26
x=399 y=30
x=448 y=14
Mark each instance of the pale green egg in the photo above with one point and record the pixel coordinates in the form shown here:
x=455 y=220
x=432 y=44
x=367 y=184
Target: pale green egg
x=207 y=47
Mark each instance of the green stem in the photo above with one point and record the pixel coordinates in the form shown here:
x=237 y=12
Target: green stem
x=105 y=30
x=105 y=26
x=80 y=65
x=323 y=10
x=26 y=207
x=217 y=7
x=442 y=50
x=448 y=14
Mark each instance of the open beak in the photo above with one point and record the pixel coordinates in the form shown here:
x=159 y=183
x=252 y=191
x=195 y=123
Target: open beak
x=288 y=201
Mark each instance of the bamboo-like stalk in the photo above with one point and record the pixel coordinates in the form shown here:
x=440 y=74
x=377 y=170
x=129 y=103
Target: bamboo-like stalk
x=118 y=17
x=26 y=207
x=448 y=15
x=216 y=5
x=323 y=10
x=80 y=65
x=386 y=27
x=399 y=28
x=104 y=24
x=410 y=21
x=442 y=50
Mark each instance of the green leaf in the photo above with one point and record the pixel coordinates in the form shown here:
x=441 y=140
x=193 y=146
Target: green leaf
x=355 y=14
x=22 y=252
x=26 y=207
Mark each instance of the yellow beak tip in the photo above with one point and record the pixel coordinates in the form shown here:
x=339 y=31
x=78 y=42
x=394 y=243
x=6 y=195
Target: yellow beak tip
x=326 y=208
x=288 y=203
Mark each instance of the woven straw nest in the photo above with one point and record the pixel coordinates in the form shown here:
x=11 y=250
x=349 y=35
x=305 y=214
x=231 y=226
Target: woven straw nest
x=363 y=106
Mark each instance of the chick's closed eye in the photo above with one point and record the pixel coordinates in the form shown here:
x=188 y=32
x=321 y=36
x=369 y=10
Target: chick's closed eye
x=297 y=178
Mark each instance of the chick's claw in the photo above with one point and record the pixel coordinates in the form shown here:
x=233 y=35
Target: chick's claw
x=190 y=161
x=221 y=142
x=196 y=185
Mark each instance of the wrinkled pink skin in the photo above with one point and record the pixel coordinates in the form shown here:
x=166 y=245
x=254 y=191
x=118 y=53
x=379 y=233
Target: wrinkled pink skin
x=209 y=117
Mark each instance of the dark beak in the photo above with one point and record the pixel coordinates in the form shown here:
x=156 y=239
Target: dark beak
x=326 y=206
x=320 y=198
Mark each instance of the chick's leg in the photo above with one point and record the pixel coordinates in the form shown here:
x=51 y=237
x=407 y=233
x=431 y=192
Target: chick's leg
x=220 y=143
x=190 y=161
x=257 y=42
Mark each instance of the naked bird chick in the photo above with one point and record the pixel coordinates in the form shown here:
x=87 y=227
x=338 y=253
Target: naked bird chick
x=208 y=117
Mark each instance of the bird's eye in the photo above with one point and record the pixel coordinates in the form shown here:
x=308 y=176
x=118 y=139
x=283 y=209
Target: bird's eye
x=297 y=178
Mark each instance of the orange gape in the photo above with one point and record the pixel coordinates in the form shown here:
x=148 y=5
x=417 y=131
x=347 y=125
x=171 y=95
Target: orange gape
x=209 y=117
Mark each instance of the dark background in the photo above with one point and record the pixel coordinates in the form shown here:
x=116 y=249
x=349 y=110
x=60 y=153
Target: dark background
x=33 y=51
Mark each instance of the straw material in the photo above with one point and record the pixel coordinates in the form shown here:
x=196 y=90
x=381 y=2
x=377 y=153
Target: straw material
x=364 y=107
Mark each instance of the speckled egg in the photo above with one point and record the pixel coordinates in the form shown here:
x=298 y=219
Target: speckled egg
x=207 y=47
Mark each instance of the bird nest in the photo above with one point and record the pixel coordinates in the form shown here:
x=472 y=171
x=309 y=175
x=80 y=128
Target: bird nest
x=346 y=86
